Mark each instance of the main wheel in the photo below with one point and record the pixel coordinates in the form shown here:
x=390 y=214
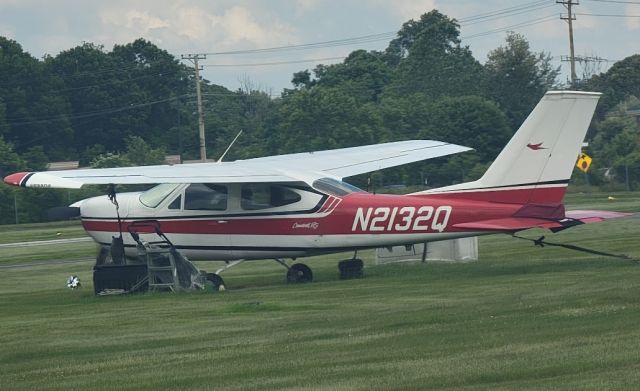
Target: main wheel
x=299 y=272
x=216 y=281
x=351 y=268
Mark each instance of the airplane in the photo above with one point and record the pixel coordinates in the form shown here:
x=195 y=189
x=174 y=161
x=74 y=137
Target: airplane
x=297 y=205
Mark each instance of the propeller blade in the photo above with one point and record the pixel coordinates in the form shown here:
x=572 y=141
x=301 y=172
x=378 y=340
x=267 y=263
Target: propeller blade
x=63 y=213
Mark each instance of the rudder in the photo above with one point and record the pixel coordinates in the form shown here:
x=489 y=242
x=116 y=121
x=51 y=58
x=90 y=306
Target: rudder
x=536 y=164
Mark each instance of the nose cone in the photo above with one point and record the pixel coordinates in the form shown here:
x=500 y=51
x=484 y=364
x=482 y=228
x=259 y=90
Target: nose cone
x=102 y=207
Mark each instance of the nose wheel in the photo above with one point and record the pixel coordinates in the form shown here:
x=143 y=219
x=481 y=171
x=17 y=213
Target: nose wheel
x=299 y=273
x=216 y=281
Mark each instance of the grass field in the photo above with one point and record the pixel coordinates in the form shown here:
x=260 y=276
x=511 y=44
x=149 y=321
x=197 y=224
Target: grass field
x=521 y=317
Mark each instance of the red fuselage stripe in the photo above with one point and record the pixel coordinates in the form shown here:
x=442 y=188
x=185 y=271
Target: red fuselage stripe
x=360 y=213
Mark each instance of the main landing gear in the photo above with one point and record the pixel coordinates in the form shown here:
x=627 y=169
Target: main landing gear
x=297 y=273
x=351 y=268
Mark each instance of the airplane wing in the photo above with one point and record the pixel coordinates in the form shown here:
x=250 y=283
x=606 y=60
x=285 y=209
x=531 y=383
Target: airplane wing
x=346 y=162
x=299 y=167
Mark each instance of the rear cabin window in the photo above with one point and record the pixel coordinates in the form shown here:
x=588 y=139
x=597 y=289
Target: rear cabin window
x=256 y=196
x=205 y=196
x=335 y=187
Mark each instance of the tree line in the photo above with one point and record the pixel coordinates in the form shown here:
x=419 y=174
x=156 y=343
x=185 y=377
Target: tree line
x=135 y=103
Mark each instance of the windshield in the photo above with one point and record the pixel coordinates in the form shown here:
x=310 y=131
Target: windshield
x=335 y=187
x=154 y=196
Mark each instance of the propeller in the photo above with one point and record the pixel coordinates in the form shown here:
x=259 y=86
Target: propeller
x=63 y=213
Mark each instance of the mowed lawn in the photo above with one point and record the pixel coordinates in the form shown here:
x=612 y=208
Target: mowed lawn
x=522 y=317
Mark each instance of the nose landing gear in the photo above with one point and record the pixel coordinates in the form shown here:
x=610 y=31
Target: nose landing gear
x=299 y=273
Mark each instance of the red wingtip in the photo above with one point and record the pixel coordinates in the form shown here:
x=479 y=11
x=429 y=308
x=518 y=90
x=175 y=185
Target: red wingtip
x=15 y=179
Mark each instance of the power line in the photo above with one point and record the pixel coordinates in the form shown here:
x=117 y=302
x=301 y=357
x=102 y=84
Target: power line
x=616 y=1
x=611 y=15
x=163 y=74
x=515 y=10
x=315 y=45
x=511 y=14
x=276 y=62
x=497 y=14
x=512 y=27
x=91 y=113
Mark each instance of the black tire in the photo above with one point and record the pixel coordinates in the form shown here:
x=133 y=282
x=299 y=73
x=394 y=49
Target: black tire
x=351 y=268
x=215 y=280
x=299 y=273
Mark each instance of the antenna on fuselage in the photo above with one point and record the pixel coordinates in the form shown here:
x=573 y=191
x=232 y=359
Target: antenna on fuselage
x=229 y=147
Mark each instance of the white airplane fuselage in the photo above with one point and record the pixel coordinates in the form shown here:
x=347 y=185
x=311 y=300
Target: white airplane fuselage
x=313 y=221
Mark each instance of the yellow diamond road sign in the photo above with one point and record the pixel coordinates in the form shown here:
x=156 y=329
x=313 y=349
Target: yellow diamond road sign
x=584 y=162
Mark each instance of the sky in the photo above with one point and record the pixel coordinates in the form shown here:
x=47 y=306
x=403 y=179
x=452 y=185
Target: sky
x=609 y=29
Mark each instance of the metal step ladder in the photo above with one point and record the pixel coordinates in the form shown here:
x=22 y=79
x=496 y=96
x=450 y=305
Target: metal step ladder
x=161 y=268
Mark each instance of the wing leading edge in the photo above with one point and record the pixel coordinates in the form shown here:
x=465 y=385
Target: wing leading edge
x=298 y=167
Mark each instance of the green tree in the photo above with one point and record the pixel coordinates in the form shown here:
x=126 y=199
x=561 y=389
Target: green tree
x=36 y=114
x=363 y=75
x=470 y=121
x=89 y=73
x=620 y=82
x=138 y=153
x=516 y=78
x=616 y=143
x=430 y=59
x=10 y=162
x=326 y=118
x=130 y=91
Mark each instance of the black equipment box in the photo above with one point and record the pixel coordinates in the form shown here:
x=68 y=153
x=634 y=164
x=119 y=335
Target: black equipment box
x=119 y=277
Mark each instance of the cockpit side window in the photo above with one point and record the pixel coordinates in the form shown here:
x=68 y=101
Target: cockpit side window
x=205 y=196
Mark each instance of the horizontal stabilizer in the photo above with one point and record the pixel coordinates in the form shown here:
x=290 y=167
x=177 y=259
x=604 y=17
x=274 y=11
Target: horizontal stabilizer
x=514 y=224
x=594 y=216
x=510 y=224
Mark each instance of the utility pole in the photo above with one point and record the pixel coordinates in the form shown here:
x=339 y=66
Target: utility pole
x=570 y=18
x=15 y=205
x=194 y=58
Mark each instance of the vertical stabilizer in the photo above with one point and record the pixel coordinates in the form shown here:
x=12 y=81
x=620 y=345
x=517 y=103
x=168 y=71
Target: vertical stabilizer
x=537 y=163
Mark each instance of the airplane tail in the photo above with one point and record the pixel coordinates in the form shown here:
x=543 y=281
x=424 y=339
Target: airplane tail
x=536 y=164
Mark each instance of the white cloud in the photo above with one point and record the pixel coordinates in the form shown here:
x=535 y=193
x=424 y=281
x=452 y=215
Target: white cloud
x=133 y=20
x=192 y=23
x=241 y=26
x=306 y=5
x=195 y=27
x=7 y=31
x=632 y=23
x=410 y=9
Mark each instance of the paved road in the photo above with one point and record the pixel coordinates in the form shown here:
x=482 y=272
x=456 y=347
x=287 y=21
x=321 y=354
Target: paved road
x=46 y=242
x=50 y=262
